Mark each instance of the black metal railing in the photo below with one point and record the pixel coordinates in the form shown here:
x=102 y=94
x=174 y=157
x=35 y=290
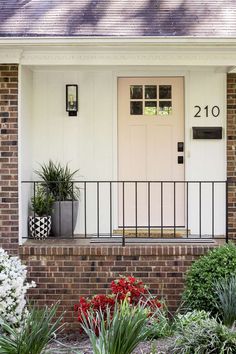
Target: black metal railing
x=126 y=210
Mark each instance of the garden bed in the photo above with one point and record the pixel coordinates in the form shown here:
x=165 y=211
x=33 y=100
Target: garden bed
x=72 y=345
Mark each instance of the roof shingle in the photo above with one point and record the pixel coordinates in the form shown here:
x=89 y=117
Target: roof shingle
x=197 y=18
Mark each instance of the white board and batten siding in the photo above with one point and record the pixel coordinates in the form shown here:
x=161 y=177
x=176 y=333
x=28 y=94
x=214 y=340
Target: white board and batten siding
x=89 y=141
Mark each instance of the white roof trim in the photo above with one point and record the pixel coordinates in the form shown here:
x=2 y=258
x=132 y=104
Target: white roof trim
x=117 y=40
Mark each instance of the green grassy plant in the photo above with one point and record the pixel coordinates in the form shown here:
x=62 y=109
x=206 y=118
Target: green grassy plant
x=161 y=325
x=206 y=336
x=119 y=332
x=58 y=181
x=195 y=316
x=225 y=298
x=37 y=331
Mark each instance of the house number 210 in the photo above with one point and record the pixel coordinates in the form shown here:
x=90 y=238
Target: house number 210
x=214 y=111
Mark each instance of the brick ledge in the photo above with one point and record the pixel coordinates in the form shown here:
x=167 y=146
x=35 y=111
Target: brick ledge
x=31 y=248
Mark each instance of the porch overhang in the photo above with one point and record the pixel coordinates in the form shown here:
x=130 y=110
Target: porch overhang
x=168 y=51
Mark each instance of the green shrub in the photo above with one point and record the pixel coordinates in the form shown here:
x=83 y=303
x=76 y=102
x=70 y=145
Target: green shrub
x=225 y=292
x=204 y=337
x=199 y=292
x=36 y=332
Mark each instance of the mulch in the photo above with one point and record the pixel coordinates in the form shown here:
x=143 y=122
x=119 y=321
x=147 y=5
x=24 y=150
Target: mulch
x=73 y=345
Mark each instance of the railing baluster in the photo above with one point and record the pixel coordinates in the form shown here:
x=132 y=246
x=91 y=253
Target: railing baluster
x=85 y=209
x=111 y=209
x=200 y=209
x=227 y=211
x=98 y=216
x=33 y=223
x=187 y=208
x=213 y=211
x=60 y=208
x=136 y=209
x=149 y=209
x=72 y=209
x=123 y=231
x=161 y=209
x=174 y=211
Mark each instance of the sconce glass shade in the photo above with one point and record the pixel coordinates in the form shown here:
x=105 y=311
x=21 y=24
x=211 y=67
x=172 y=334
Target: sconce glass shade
x=72 y=99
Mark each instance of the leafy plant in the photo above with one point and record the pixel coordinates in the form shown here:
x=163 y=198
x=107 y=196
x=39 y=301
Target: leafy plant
x=58 y=180
x=161 y=325
x=37 y=331
x=225 y=292
x=124 y=288
x=120 y=331
x=195 y=316
x=218 y=264
x=203 y=337
x=42 y=202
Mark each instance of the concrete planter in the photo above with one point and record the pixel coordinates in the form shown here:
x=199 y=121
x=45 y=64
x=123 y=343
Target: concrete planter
x=63 y=224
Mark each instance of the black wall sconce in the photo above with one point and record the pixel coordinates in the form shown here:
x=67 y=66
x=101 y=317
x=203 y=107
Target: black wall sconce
x=72 y=99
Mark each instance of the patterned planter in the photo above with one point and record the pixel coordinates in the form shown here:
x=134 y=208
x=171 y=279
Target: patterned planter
x=40 y=227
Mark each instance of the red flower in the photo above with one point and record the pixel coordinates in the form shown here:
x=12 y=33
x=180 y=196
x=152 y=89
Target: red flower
x=126 y=287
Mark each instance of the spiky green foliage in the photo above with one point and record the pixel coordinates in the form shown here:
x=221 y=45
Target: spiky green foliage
x=119 y=332
x=58 y=180
x=42 y=202
x=218 y=264
x=39 y=329
x=225 y=293
x=182 y=321
x=205 y=337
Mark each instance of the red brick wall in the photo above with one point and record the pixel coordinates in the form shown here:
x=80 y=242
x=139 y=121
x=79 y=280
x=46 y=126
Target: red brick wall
x=231 y=151
x=9 y=157
x=66 y=273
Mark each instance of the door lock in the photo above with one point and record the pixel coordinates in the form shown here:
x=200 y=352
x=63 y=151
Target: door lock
x=180 y=160
x=180 y=146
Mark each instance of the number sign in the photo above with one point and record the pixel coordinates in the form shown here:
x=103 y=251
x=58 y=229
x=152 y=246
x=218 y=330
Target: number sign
x=207 y=111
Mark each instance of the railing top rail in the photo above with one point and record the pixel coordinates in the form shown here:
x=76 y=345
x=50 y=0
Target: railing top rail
x=129 y=181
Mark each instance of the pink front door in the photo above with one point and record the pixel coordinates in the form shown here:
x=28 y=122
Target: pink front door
x=150 y=137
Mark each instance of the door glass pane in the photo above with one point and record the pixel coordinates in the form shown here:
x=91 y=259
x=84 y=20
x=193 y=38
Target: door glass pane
x=150 y=92
x=136 y=92
x=136 y=107
x=150 y=108
x=165 y=107
x=164 y=92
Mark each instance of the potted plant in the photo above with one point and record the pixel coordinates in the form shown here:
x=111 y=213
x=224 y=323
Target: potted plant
x=40 y=223
x=58 y=180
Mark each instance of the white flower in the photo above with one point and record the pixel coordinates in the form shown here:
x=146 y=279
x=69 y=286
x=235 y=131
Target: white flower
x=13 y=288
